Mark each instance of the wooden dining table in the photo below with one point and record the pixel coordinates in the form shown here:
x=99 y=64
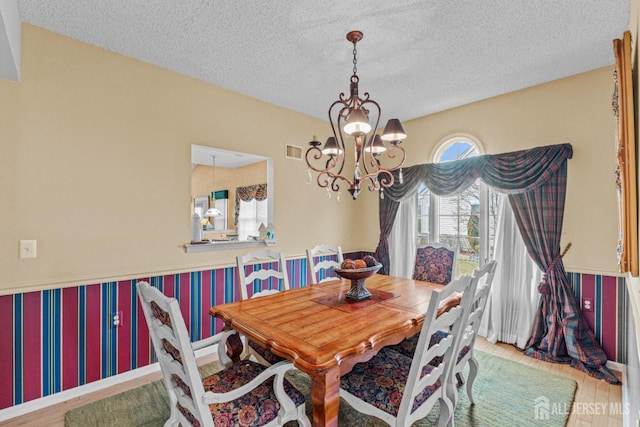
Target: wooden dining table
x=325 y=334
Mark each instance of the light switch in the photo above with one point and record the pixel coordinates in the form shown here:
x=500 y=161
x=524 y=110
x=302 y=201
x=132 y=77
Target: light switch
x=27 y=248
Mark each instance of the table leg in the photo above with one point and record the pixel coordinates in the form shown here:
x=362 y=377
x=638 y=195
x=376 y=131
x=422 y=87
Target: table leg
x=325 y=397
x=234 y=346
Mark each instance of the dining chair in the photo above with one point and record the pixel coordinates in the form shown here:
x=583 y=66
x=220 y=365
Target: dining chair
x=435 y=263
x=484 y=276
x=400 y=390
x=322 y=268
x=271 y=273
x=254 y=281
x=245 y=392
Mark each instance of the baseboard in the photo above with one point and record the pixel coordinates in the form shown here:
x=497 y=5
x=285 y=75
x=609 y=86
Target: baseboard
x=63 y=396
x=626 y=417
x=616 y=366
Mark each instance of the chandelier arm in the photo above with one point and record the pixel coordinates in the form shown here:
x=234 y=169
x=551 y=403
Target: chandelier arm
x=374 y=163
x=335 y=186
x=385 y=178
x=372 y=183
x=392 y=155
x=318 y=155
x=370 y=166
x=333 y=178
x=386 y=181
x=344 y=103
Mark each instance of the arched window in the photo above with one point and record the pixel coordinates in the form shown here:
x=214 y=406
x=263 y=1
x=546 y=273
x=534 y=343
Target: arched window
x=465 y=221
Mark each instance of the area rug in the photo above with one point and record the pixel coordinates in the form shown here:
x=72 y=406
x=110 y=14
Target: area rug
x=506 y=393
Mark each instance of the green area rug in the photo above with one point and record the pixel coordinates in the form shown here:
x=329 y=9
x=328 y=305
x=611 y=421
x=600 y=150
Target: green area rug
x=507 y=394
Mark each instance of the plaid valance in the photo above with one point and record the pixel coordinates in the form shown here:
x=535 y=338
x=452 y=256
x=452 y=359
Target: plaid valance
x=510 y=173
x=247 y=193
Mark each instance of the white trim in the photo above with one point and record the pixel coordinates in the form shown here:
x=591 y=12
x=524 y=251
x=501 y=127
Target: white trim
x=445 y=142
x=72 y=393
x=616 y=366
x=626 y=417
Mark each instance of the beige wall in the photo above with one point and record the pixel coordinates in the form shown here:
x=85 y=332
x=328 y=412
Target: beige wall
x=574 y=110
x=95 y=155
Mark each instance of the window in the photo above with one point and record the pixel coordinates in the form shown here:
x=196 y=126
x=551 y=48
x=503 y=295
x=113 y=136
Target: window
x=252 y=213
x=466 y=221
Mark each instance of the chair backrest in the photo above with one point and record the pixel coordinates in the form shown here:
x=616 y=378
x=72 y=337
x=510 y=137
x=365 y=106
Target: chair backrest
x=484 y=276
x=261 y=257
x=175 y=354
x=452 y=320
x=435 y=263
x=324 y=264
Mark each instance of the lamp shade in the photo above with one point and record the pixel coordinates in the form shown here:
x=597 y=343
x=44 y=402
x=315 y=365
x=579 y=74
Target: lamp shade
x=357 y=123
x=376 y=146
x=331 y=147
x=393 y=131
x=210 y=213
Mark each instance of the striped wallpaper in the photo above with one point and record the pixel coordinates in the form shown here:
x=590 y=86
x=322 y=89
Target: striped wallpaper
x=609 y=318
x=54 y=340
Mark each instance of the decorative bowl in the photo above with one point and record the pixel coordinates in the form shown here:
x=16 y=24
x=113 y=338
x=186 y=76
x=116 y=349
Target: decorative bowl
x=357 y=276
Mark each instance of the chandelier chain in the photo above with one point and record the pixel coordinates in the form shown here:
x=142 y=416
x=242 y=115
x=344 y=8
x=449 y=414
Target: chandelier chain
x=355 y=60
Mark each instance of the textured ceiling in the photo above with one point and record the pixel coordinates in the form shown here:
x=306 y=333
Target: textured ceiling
x=416 y=58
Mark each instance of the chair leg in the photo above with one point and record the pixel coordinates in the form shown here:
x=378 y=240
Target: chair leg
x=460 y=378
x=303 y=420
x=452 y=392
x=446 y=413
x=473 y=372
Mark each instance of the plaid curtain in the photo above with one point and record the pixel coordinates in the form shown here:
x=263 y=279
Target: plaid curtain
x=535 y=180
x=412 y=177
x=560 y=332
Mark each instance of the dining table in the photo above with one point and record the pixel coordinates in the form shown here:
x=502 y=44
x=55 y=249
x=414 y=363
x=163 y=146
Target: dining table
x=325 y=333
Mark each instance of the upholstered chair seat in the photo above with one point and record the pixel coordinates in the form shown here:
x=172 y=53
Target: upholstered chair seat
x=381 y=381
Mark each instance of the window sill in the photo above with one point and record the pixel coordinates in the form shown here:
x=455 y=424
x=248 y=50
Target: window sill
x=225 y=245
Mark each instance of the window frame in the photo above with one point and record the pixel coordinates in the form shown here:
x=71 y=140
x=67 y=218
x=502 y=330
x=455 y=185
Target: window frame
x=483 y=196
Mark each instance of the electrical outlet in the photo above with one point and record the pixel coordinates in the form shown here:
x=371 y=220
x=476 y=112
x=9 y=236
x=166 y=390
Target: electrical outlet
x=587 y=305
x=118 y=320
x=28 y=249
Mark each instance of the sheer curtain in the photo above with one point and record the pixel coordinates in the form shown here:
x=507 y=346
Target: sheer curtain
x=251 y=214
x=402 y=239
x=514 y=295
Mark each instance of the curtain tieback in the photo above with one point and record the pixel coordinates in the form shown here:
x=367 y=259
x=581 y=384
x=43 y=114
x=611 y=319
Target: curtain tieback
x=544 y=287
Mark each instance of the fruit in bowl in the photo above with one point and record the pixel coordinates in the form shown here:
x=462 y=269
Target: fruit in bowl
x=369 y=260
x=356 y=264
x=348 y=264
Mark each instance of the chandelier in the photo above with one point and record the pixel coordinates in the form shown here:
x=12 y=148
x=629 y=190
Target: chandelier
x=349 y=117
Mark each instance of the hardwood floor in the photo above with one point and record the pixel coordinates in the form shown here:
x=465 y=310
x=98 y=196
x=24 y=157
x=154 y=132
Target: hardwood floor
x=597 y=403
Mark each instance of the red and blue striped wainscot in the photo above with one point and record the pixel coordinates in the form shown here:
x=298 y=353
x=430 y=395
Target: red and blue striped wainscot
x=55 y=340
x=610 y=310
